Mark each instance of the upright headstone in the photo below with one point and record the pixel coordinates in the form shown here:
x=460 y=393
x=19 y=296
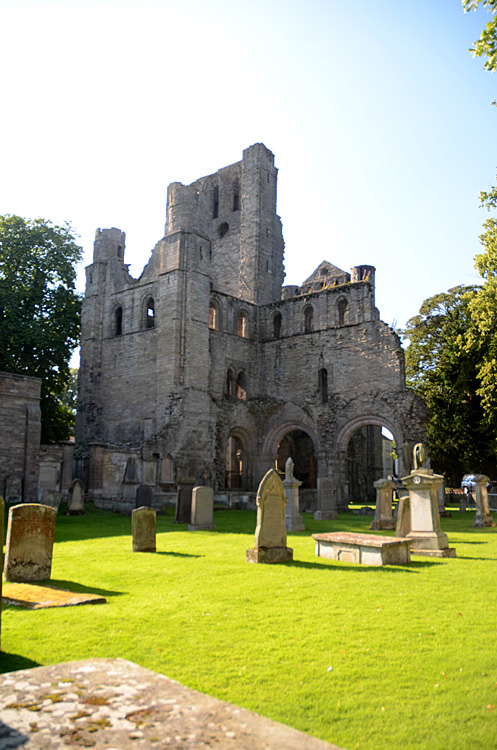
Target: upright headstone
x=51 y=498
x=270 y=534
x=425 y=533
x=383 y=517
x=184 y=503
x=463 y=504
x=143 y=526
x=483 y=516
x=327 y=500
x=293 y=519
x=2 y=522
x=29 y=547
x=76 y=499
x=202 y=509
x=143 y=496
x=13 y=490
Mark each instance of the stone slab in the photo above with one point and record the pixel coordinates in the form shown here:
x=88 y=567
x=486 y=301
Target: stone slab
x=362 y=549
x=114 y=703
x=30 y=596
x=269 y=555
x=446 y=552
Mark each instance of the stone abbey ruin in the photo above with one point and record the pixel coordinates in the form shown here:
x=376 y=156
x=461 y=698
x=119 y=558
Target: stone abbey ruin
x=207 y=370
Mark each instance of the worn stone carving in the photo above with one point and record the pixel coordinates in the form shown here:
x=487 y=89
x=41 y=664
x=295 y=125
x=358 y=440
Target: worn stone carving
x=270 y=534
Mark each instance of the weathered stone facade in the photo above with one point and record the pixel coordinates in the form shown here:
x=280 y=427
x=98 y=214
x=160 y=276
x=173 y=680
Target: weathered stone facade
x=207 y=368
x=20 y=417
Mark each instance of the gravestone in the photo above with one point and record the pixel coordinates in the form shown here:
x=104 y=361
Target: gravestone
x=2 y=522
x=184 y=502
x=383 y=517
x=143 y=496
x=51 y=498
x=422 y=519
x=143 y=526
x=29 y=546
x=270 y=534
x=202 y=509
x=327 y=499
x=483 y=516
x=13 y=490
x=76 y=499
x=293 y=519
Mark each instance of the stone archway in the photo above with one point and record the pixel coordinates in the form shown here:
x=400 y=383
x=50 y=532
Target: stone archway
x=239 y=469
x=363 y=457
x=297 y=441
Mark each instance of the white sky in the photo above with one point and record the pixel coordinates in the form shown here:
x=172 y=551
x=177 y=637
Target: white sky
x=378 y=116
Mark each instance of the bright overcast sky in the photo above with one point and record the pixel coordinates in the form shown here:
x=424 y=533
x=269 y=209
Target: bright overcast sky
x=379 y=118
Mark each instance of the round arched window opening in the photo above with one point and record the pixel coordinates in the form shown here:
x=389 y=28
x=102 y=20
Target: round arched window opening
x=222 y=229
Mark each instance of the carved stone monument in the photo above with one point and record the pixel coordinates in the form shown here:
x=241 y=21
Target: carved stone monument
x=293 y=519
x=483 y=516
x=143 y=526
x=202 y=509
x=143 y=496
x=383 y=517
x=327 y=499
x=29 y=546
x=270 y=534
x=76 y=499
x=419 y=518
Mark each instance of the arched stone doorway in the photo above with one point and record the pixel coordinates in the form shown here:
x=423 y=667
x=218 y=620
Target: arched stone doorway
x=369 y=450
x=238 y=461
x=298 y=445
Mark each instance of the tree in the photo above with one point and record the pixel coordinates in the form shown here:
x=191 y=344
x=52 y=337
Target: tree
x=443 y=369
x=40 y=310
x=486 y=45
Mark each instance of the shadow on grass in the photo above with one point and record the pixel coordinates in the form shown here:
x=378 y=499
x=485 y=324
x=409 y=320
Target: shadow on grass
x=359 y=568
x=14 y=662
x=79 y=588
x=176 y=554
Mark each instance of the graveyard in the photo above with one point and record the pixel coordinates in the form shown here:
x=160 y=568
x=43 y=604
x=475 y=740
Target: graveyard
x=363 y=657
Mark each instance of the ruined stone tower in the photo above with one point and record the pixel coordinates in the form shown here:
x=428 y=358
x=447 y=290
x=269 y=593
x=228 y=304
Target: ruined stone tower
x=207 y=369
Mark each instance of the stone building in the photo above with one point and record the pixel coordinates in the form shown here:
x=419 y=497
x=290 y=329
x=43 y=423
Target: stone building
x=20 y=417
x=207 y=369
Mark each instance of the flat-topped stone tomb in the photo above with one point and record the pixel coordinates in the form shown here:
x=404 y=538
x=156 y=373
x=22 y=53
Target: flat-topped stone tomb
x=362 y=549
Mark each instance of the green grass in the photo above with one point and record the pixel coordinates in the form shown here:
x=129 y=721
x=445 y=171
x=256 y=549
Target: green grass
x=413 y=649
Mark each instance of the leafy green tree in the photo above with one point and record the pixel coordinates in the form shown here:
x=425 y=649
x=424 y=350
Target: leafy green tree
x=40 y=311
x=443 y=369
x=486 y=45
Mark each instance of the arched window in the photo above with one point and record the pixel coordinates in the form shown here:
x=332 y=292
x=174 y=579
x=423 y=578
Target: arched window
x=213 y=316
x=243 y=325
x=323 y=385
x=215 y=202
x=241 y=387
x=308 y=319
x=277 y=325
x=118 y=321
x=342 y=310
x=230 y=383
x=150 y=313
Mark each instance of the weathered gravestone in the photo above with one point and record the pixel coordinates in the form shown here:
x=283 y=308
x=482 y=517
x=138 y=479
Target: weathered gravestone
x=76 y=499
x=184 y=503
x=383 y=517
x=143 y=525
x=51 y=498
x=293 y=519
x=13 y=489
x=202 y=509
x=270 y=534
x=483 y=516
x=29 y=547
x=143 y=496
x=327 y=499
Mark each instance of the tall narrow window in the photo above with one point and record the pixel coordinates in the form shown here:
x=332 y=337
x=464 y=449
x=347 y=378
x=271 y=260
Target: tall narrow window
x=236 y=197
x=277 y=325
x=118 y=321
x=243 y=325
x=323 y=385
x=308 y=319
x=150 y=316
x=215 y=202
x=212 y=316
x=230 y=383
x=342 y=310
x=241 y=388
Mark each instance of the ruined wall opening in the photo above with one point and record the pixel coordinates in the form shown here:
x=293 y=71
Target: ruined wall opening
x=243 y=325
x=215 y=202
x=371 y=454
x=308 y=319
x=241 y=386
x=299 y=446
x=213 y=316
x=236 y=469
x=118 y=321
x=150 y=313
x=277 y=325
x=342 y=311
x=323 y=385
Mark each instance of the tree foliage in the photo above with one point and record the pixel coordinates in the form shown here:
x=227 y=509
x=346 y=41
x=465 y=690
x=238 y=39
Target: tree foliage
x=443 y=369
x=40 y=311
x=486 y=45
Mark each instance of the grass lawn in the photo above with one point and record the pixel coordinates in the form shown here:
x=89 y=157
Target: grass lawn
x=374 y=658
